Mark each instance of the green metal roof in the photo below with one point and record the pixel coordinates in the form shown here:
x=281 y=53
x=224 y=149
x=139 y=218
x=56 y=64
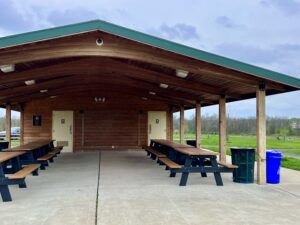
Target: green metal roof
x=149 y=40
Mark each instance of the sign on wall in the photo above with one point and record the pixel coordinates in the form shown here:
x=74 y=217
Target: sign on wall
x=37 y=120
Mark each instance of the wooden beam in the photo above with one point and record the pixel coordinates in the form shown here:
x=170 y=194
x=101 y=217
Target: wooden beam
x=182 y=124
x=153 y=76
x=198 y=123
x=261 y=134
x=21 y=124
x=96 y=88
x=222 y=128
x=83 y=45
x=8 y=124
x=171 y=124
x=23 y=90
x=86 y=67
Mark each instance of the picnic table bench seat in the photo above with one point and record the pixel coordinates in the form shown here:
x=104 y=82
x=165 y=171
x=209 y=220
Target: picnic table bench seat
x=56 y=150
x=169 y=163
x=228 y=165
x=24 y=172
x=48 y=156
x=154 y=153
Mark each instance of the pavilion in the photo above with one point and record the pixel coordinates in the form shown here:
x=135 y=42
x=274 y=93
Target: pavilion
x=96 y=85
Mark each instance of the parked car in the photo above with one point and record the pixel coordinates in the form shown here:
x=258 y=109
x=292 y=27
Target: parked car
x=14 y=132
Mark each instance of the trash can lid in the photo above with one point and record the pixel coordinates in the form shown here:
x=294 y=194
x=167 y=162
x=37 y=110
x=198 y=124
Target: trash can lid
x=242 y=148
x=273 y=153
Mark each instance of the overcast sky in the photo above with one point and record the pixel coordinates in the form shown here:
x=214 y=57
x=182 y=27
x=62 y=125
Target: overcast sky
x=261 y=32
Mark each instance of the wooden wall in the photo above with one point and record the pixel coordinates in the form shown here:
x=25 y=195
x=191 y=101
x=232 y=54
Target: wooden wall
x=115 y=124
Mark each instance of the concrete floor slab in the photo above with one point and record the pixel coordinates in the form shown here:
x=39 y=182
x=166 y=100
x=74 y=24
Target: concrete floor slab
x=65 y=193
x=133 y=189
x=138 y=191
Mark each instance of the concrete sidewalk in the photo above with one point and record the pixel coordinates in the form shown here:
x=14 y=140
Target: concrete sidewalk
x=134 y=190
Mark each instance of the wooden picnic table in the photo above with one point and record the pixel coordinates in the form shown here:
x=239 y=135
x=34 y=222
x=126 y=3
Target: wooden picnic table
x=17 y=173
x=5 y=156
x=170 y=143
x=187 y=159
x=194 y=151
x=34 y=152
x=29 y=146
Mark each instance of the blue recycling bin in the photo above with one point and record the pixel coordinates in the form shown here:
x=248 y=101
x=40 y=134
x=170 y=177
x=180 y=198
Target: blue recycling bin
x=273 y=166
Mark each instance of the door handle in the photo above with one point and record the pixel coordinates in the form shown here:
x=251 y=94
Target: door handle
x=149 y=128
x=71 y=129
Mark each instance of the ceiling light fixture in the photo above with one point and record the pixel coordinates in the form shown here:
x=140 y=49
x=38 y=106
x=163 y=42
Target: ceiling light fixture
x=44 y=91
x=182 y=73
x=7 y=68
x=152 y=93
x=162 y=85
x=29 y=82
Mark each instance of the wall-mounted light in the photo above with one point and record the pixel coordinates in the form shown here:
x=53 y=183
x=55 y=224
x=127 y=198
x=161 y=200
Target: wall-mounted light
x=144 y=98
x=99 y=99
x=99 y=41
x=29 y=82
x=182 y=73
x=162 y=85
x=152 y=93
x=53 y=96
x=7 y=68
x=44 y=91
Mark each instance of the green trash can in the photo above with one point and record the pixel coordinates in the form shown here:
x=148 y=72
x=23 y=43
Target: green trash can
x=244 y=158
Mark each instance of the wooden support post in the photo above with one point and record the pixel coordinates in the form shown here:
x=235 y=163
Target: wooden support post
x=21 y=125
x=181 y=124
x=261 y=134
x=8 y=124
x=171 y=124
x=198 y=124
x=222 y=128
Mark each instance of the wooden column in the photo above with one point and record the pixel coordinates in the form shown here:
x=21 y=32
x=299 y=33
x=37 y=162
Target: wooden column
x=198 y=124
x=181 y=124
x=222 y=128
x=261 y=134
x=171 y=124
x=8 y=124
x=21 y=125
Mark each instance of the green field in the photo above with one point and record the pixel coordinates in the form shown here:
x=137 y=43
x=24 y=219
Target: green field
x=290 y=145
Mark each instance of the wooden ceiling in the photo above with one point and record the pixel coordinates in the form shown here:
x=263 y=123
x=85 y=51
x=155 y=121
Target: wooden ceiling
x=75 y=64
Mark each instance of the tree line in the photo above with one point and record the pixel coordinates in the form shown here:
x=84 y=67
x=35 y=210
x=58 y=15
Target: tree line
x=239 y=126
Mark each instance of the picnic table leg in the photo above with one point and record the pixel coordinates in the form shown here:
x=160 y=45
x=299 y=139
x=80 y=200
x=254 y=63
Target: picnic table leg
x=185 y=174
x=34 y=155
x=5 y=194
x=201 y=163
x=217 y=175
x=31 y=157
x=16 y=165
x=172 y=174
x=4 y=191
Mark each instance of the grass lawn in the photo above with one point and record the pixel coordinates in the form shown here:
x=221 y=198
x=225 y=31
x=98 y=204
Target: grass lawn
x=15 y=143
x=291 y=163
x=290 y=145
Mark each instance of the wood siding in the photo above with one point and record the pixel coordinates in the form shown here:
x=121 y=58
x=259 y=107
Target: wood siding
x=114 y=124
